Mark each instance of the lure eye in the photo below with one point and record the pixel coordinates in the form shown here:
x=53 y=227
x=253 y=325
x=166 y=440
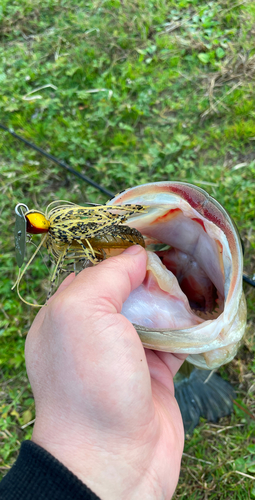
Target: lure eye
x=37 y=223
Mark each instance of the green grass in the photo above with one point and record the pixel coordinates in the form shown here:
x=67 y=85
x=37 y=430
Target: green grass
x=133 y=92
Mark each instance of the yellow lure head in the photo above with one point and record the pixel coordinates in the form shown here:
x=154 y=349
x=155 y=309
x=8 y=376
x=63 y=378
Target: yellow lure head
x=37 y=223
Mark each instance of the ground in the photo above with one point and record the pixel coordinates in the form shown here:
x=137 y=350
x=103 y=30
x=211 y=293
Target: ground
x=129 y=92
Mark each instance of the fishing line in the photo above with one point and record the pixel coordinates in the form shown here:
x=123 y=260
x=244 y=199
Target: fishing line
x=247 y=279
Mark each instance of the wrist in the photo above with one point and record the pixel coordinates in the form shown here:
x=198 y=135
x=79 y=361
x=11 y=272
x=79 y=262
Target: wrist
x=110 y=467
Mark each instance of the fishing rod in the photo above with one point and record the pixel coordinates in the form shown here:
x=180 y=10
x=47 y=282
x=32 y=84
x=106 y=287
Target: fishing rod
x=247 y=279
x=58 y=162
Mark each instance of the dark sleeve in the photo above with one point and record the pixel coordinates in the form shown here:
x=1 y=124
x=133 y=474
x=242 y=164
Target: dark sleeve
x=37 y=475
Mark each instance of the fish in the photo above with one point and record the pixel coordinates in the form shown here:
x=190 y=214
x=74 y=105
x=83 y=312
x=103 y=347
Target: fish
x=191 y=300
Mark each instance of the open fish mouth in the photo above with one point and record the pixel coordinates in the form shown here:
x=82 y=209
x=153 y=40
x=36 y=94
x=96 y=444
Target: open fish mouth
x=191 y=300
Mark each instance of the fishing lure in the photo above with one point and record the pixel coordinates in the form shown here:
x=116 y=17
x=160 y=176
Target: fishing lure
x=72 y=232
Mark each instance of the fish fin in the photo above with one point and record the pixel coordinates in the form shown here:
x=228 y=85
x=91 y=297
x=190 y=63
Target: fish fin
x=202 y=395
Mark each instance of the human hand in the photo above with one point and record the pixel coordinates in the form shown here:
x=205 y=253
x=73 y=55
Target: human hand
x=105 y=407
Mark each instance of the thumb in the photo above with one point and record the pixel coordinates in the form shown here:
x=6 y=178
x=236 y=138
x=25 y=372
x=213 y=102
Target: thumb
x=108 y=284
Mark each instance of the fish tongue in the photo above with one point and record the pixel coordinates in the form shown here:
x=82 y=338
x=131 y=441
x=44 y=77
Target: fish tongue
x=159 y=302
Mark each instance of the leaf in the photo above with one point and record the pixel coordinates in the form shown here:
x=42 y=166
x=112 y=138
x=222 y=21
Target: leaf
x=72 y=71
x=15 y=413
x=251 y=448
x=141 y=51
x=181 y=138
x=204 y=57
x=29 y=401
x=240 y=464
x=169 y=168
x=26 y=416
x=220 y=53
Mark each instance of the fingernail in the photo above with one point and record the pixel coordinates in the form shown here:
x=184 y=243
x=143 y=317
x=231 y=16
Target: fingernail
x=133 y=250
